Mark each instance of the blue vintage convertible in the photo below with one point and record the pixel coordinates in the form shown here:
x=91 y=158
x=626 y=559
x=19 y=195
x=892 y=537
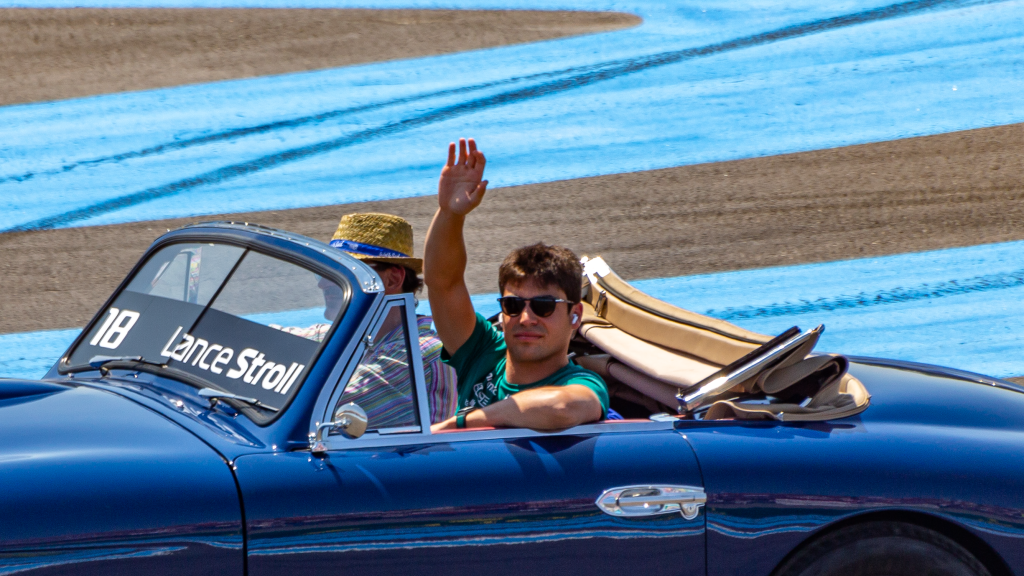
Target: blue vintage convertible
x=200 y=425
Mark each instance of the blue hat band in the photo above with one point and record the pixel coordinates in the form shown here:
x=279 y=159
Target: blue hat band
x=366 y=249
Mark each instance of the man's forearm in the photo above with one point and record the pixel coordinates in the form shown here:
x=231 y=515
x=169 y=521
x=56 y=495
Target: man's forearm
x=540 y=409
x=444 y=253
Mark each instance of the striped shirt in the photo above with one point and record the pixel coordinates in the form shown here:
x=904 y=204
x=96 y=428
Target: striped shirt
x=381 y=384
x=316 y=332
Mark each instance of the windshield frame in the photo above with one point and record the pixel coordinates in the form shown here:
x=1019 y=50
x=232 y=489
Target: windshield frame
x=227 y=233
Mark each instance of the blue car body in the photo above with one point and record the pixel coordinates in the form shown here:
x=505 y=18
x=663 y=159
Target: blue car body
x=129 y=471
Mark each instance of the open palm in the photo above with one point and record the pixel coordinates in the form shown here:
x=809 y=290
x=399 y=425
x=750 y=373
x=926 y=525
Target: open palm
x=462 y=185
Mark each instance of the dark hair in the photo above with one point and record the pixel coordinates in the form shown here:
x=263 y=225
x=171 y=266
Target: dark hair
x=546 y=265
x=411 y=283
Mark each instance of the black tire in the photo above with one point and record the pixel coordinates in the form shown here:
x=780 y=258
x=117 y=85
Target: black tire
x=883 y=549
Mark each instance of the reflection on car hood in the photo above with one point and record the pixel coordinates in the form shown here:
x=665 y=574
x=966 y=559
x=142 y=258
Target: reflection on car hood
x=911 y=393
x=41 y=418
x=12 y=390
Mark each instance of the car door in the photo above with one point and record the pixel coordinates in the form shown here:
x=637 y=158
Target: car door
x=400 y=500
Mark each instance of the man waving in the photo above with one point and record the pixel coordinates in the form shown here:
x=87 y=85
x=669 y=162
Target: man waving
x=522 y=376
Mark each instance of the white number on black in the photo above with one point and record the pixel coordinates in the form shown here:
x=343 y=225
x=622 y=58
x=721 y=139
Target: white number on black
x=115 y=328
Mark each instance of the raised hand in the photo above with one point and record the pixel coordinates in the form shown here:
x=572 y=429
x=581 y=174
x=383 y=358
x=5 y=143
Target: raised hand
x=462 y=186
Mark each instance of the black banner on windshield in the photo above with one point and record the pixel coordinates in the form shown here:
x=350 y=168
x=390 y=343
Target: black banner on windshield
x=136 y=325
x=243 y=357
x=231 y=353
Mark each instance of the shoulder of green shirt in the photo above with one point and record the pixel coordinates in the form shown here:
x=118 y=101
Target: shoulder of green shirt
x=484 y=346
x=484 y=336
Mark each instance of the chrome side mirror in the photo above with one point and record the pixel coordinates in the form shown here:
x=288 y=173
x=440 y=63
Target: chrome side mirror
x=349 y=418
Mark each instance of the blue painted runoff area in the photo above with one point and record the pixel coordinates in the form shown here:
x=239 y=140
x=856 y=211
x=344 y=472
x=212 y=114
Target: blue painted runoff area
x=959 y=307
x=698 y=81
x=31 y=354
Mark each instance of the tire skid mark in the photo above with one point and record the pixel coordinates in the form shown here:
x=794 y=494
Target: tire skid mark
x=302 y=121
x=581 y=77
x=898 y=295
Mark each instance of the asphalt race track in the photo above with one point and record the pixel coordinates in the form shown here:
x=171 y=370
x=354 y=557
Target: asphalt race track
x=680 y=89
x=56 y=54
x=702 y=99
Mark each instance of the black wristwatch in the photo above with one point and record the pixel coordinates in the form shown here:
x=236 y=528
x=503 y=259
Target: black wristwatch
x=460 y=416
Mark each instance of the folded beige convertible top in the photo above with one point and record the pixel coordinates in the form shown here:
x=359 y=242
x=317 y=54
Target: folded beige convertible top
x=656 y=353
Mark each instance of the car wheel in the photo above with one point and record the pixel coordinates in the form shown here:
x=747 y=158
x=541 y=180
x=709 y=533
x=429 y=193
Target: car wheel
x=883 y=549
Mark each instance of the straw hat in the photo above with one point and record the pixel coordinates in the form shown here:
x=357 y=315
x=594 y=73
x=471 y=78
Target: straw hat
x=377 y=238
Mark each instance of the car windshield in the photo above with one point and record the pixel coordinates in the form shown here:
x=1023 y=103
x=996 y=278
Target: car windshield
x=244 y=322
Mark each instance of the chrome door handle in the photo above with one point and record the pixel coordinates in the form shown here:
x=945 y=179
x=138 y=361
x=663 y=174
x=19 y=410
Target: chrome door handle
x=633 y=501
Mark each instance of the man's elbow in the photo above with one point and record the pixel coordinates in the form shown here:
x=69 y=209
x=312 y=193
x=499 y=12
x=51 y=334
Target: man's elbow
x=439 y=283
x=566 y=414
x=560 y=419
x=429 y=280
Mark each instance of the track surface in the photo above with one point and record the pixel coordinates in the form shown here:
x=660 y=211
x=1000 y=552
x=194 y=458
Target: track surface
x=957 y=306
x=690 y=85
x=904 y=196
x=681 y=89
x=53 y=54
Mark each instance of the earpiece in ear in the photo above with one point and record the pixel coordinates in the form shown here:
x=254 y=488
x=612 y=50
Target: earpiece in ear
x=575 y=318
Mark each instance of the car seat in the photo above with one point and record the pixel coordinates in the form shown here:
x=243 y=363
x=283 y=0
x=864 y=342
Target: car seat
x=651 y=354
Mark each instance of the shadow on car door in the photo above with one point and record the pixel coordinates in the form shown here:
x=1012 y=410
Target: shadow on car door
x=489 y=506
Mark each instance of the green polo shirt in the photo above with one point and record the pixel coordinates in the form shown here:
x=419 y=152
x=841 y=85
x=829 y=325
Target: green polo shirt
x=480 y=367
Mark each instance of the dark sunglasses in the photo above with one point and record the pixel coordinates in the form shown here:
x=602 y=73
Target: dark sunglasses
x=542 y=306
